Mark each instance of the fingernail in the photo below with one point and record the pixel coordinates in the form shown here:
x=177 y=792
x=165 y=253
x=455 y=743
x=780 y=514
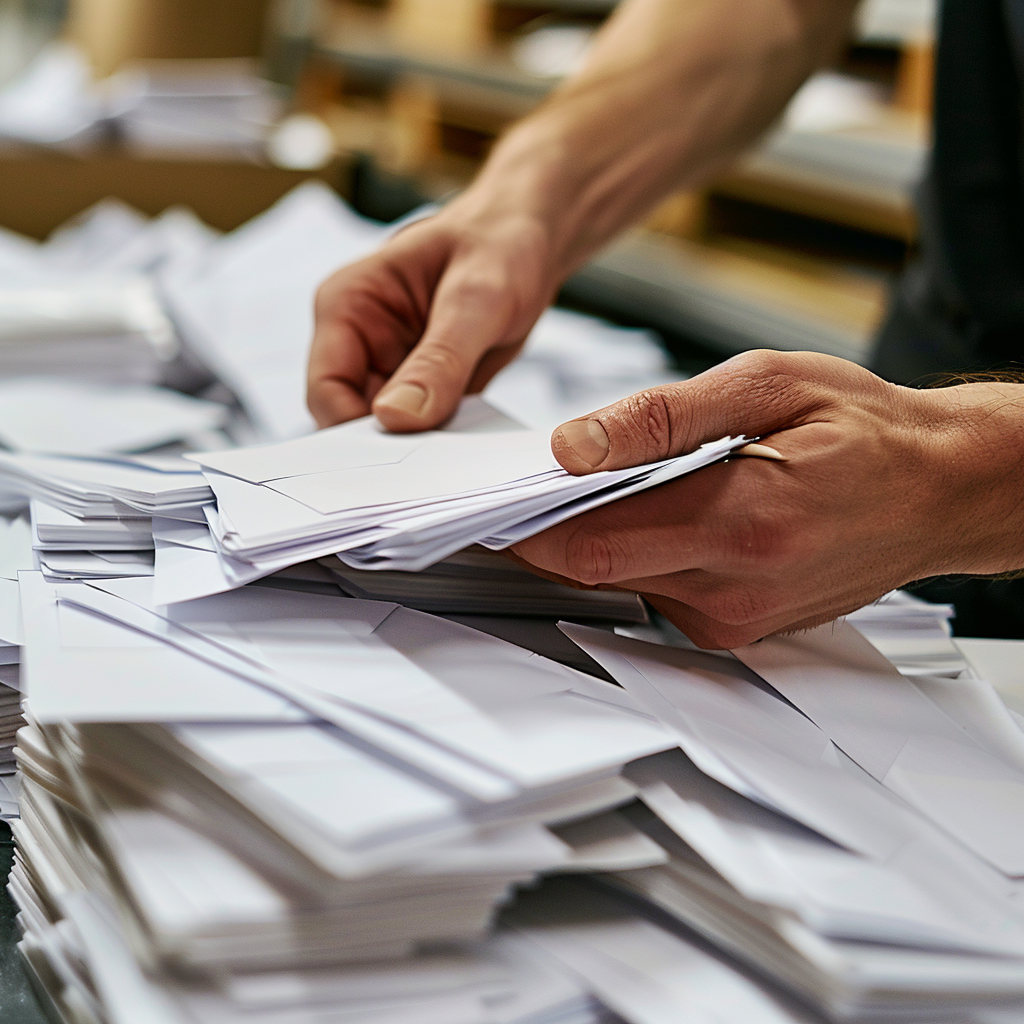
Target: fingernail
x=410 y=398
x=587 y=439
x=761 y=451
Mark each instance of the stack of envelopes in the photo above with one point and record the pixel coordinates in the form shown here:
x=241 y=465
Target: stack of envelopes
x=277 y=805
x=406 y=501
x=856 y=835
x=74 y=547
x=110 y=487
x=269 y=781
x=11 y=720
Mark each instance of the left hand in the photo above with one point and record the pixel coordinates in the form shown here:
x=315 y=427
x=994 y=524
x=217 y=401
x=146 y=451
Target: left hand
x=881 y=485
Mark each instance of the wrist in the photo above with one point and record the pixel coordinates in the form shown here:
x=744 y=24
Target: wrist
x=973 y=477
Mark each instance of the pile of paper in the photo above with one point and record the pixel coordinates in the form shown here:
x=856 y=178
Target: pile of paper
x=386 y=501
x=288 y=805
x=188 y=105
x=67 y=546
x=207 y=782
x=851 y=833
x=15 y=555
x=176 y=105
x=109 y=328
x=108 y=488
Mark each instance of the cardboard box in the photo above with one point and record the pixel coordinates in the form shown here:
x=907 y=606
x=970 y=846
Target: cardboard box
x=116 y=32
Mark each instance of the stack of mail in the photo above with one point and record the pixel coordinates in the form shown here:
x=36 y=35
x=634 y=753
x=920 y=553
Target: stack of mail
x=915 y=635
x=852 y=833
x=234 y=806
x=11 y=720
x=101 y=327
x=386 y=501
x=81 y=547
x=107 y=488
x=15 y=555
x=184 y=105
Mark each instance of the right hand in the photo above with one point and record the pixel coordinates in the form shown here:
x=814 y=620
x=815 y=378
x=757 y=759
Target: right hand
x=433 y=315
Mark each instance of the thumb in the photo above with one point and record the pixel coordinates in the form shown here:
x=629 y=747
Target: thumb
x=470 y=315
x=755 y=393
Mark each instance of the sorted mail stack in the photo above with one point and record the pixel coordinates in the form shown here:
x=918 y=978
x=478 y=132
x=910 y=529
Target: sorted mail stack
x=250 y=810
x=15 y=554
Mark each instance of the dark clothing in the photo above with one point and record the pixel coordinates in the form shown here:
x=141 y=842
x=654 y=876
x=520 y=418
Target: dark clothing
x=960 y=305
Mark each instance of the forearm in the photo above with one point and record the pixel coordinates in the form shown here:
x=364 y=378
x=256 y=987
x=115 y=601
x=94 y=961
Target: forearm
x=671 y=91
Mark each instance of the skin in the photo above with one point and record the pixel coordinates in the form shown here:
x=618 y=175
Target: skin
x=670 y=92
x=879 y=485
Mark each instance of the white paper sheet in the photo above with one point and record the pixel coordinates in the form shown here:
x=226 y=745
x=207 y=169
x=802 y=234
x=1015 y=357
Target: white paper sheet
x=899 y=736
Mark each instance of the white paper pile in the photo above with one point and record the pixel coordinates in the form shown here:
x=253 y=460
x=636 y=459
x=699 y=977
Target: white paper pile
x=112 y=487
x=188 y=105
x=176 y=105
x=52 y=100
x=280 y=804
x=15 y=556
x=69 y=547
x=252 y=810
x=385 y=501
x=844 y=830
x=915 y=635
x=103 y=327
x=11 y=720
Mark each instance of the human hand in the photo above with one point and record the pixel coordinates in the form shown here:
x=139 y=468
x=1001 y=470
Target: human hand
x=881 y=485
x=432 y=316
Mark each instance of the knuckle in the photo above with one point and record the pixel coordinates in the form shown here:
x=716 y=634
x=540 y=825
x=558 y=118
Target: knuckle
x=652 y=423
x=439 y=358
x=481 y=287
x=590 y=556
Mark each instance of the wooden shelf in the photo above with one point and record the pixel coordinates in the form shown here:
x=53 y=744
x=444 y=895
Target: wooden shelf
x=733 y=301
x=491 y=73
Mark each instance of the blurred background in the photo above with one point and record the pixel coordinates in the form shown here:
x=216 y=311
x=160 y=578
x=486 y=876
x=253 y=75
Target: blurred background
x=222 y=106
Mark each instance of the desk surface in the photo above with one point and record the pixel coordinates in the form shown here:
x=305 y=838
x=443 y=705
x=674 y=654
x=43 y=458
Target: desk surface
x=18 y=1004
